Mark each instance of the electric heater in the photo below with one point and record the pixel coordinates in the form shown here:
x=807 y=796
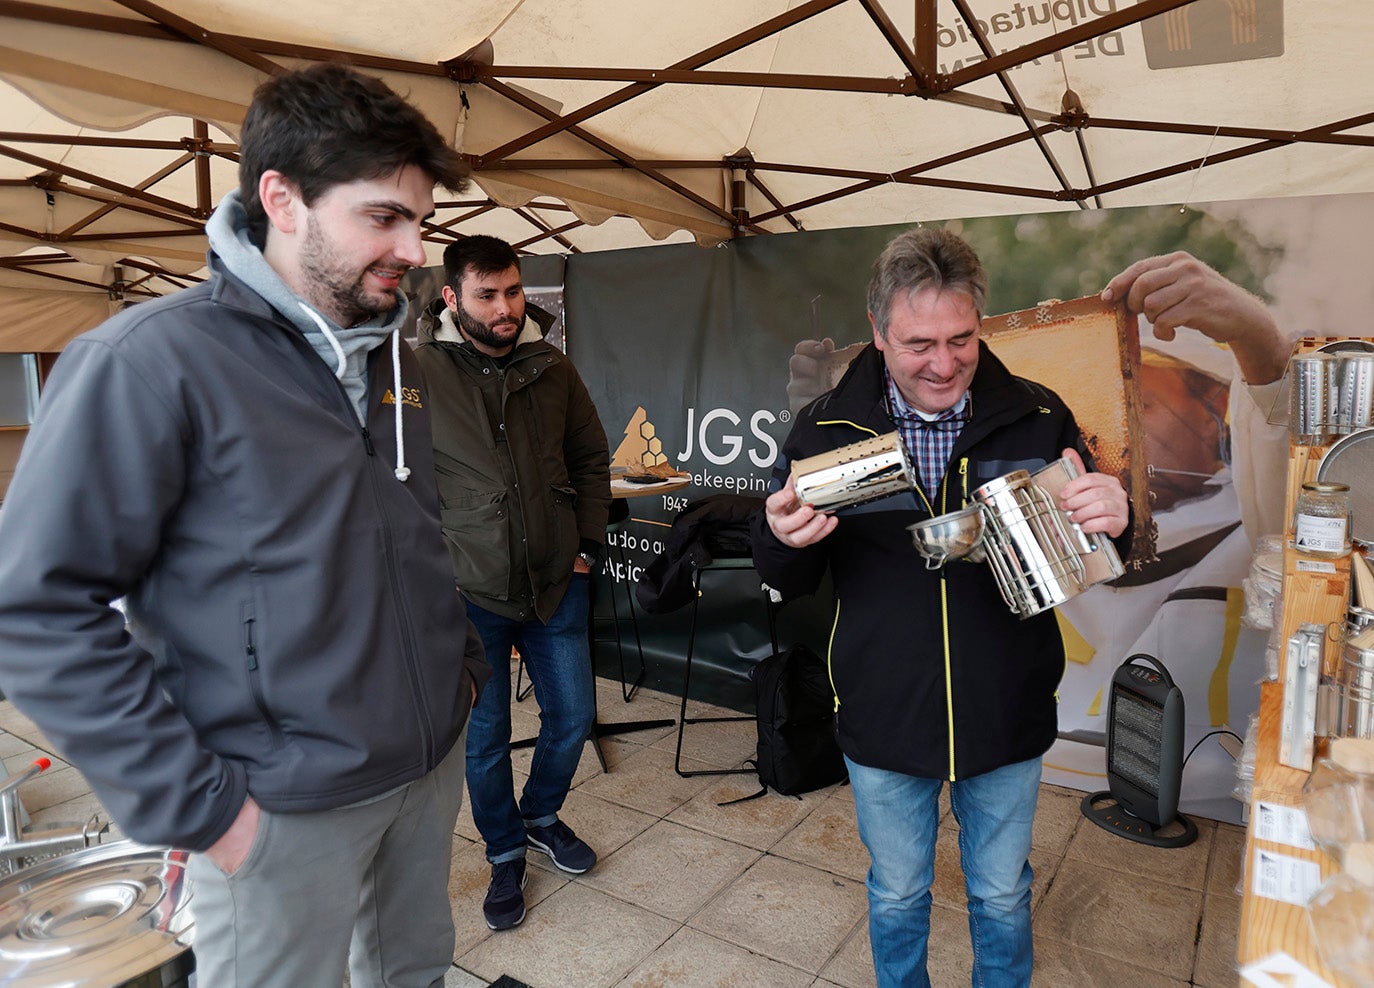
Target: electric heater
x=1144 y=758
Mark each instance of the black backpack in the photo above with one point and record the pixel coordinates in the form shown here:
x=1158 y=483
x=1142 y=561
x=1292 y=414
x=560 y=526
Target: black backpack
x=797 y=750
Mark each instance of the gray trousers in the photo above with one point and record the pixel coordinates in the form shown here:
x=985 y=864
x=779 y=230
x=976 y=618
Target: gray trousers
x=366 y=882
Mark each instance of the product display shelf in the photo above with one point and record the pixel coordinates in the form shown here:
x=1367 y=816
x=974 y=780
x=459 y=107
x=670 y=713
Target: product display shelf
x=1269 y=926
x=1314 y=591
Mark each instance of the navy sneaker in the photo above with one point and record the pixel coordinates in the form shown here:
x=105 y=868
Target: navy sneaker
x=504 y=905
x=564 y=848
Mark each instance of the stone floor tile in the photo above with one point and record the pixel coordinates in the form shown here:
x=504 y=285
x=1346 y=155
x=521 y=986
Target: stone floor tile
x=576 y=937
x=1141 y=921
x=1216 y=949
x=852 y=965
x=1185 y=866
x=1044 y=866
x=757 y=823
x=828 y=839
x=671 y=869
x=949 y=952
x=645 y=781
x=948 y=888
x=53 y=787
x=607 y=827
x=12 y=721
x=1061 y=965
x=456 y=977
x=724 y=744
x=1057 y=816
x=13 y=744
x=1228 y=860
x=787 y=911
x=694 y=960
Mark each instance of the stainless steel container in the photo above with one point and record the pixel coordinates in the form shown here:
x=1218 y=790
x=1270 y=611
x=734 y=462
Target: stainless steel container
x=1354 y=392
x=1034 y=556
x=1311 y=414
x=113 y=915
x=1355 y=694
x=1101 y=561
x=853 y=474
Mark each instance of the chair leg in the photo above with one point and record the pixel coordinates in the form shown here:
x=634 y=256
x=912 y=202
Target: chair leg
x=683 y=719
x=627 y=690
x=519 y=674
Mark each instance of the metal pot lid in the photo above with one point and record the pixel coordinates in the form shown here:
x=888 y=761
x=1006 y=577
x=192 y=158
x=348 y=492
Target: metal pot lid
x=1351 y=461
x=95 y=917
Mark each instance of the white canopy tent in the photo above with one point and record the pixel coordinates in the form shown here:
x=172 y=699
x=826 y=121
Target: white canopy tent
x=617 y=123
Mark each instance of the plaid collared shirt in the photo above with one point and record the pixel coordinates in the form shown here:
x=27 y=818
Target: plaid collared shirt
x=929 y=441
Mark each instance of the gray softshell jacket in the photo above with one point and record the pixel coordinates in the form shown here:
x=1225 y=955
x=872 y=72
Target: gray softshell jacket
x=296 y=634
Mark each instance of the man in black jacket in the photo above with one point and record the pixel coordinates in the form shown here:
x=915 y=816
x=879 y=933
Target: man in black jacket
x=935 y=679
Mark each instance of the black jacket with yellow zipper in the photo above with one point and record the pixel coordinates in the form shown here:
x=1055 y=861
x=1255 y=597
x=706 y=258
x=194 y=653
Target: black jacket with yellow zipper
x=934 y=676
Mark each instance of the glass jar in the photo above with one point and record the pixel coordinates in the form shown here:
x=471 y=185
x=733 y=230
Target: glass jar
x=1322 y=522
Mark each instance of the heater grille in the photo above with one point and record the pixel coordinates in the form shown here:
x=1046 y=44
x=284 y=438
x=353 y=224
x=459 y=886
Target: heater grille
x=1137 y=740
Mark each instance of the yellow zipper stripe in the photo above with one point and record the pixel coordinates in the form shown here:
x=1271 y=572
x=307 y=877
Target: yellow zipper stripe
x=944 y=626
x=949 y=683
x=856 y=425
x=829 y=653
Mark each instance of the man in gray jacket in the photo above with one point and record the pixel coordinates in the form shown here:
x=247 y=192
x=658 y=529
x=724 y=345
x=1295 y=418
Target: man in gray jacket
x=248 y=464
x=525 y=490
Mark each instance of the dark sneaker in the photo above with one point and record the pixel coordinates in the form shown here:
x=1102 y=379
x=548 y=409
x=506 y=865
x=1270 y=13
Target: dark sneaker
x=504 y=905
x=567 y=851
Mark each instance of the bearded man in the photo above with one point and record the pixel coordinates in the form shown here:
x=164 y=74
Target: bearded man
x=525 y=490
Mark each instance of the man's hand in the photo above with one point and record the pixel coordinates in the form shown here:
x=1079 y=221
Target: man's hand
x=814 y=368
x=1096 y=502
x=1177 y=289
x=579 y=566
x=229 y=852
x=796 y=524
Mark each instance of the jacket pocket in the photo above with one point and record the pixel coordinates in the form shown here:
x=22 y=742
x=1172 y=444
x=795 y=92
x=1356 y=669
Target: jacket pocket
x=565 y=541
x=477 y=529
x=250 y=637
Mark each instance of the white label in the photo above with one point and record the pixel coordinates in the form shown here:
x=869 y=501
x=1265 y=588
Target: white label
x=1282 y=825
x=1281 y=970
x=1315 y=566
x=1316 y=534
x=1285 y=878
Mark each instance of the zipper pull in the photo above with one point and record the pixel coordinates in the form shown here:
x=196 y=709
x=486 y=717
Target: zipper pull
x=367 y=442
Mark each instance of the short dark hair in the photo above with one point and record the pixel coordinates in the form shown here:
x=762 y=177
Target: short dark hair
x=927 y=257
x=328 y=124
x=483 y=254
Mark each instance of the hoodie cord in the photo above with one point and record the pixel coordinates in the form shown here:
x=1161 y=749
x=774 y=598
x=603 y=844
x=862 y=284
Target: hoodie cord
x=402 y=471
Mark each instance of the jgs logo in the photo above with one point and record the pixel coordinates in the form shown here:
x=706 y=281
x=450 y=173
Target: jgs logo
x=719 y=437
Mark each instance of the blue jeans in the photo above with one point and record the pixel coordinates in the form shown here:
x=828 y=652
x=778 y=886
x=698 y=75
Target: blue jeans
x=898 y=822
x=560 y=667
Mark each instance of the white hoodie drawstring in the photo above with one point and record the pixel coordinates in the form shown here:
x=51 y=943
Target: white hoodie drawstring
x=402 y=471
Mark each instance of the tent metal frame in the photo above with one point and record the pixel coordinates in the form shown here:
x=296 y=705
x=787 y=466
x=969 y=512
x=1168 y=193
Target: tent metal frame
x=739 y=170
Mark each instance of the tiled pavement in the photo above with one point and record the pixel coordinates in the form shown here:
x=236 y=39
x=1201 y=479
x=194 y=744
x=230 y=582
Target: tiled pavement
x=690 y=894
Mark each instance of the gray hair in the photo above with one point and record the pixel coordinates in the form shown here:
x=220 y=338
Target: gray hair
x=927 y=257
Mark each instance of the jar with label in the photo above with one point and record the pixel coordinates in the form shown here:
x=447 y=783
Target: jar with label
x=1322 y=522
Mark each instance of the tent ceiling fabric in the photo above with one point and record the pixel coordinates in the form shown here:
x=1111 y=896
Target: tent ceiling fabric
x=599 y=124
